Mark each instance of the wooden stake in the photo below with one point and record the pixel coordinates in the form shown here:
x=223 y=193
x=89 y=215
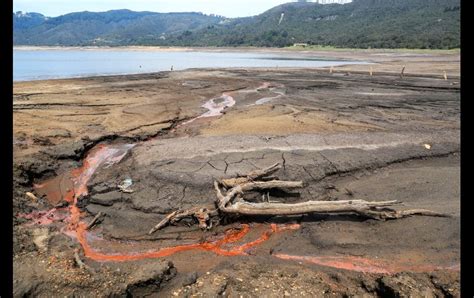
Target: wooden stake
x=403 y=71
x=370 y=71
x=445 y=76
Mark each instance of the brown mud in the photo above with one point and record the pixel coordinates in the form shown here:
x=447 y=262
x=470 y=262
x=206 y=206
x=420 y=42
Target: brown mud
x=168 y=136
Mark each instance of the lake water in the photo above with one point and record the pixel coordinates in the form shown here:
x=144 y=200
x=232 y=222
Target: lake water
x=51 y=64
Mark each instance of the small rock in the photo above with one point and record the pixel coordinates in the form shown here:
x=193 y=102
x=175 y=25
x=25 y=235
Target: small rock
x=41 y=239
x=31 y=196
x=190 y=279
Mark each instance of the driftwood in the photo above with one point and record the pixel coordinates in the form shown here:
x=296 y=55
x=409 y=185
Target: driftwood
x=231 y=202
x=94 y=220
x=252 y=176
x=202 y=214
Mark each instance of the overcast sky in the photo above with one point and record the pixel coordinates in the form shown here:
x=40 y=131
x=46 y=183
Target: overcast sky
x=227 y=8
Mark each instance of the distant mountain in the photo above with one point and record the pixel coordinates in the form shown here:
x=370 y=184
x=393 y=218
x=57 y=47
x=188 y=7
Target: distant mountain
x=115 y=27
x=23 y=21
x=359 y=24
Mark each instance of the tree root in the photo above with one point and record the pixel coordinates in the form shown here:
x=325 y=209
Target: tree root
x=202 y=214
x=232 y=202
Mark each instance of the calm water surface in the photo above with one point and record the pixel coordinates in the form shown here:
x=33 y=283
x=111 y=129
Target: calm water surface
x=50 y=64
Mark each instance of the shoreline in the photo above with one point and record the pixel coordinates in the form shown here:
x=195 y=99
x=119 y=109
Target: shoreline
x=431 y=63
x=88 y=76
x=336 y=69
x=308 y=49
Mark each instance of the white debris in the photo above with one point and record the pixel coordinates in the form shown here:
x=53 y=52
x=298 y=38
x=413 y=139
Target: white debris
x=124 y=186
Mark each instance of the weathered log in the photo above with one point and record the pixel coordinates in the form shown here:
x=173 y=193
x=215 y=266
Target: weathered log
x=248 y=208
x=256 y=185
x=393 y=214
x=232 y=203
x=254 y=175
x=361 y=207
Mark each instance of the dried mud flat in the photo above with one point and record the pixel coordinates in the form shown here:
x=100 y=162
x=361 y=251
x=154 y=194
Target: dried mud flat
x=345 y=135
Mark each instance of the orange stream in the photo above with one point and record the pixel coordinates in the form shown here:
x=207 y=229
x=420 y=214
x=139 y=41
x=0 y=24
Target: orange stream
x=365 y=265
x=103 y=154
x=213 y=246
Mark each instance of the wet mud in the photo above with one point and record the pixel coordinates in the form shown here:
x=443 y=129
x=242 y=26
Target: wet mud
x=345 y=136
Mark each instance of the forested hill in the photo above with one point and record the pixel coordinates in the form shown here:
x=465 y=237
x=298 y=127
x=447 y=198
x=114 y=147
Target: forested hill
x=360 y=24
x=115 y=27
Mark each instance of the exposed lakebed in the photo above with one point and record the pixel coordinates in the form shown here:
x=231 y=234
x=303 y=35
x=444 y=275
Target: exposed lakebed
x=338 y=134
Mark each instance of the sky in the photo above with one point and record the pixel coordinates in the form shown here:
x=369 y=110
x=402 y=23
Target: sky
x=227 y=8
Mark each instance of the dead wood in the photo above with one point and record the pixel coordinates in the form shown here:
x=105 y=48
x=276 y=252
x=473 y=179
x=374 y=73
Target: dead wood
x=248 y=186
x=201 y=214
x=254 y=175
x=360 y=207
x=231 y=202
x=94 y=220
x=393 y=214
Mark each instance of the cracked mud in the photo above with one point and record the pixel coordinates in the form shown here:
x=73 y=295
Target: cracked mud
x=172 y=134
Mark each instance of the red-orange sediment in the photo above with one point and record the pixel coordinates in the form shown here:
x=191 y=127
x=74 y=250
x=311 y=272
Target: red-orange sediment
x=100 y=155
x=45 y=217
x=78 y=178
x=219 y=247
x=365 y=265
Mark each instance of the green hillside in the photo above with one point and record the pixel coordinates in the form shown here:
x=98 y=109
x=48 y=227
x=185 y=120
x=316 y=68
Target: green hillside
x=360 y=24
x=113 y=28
